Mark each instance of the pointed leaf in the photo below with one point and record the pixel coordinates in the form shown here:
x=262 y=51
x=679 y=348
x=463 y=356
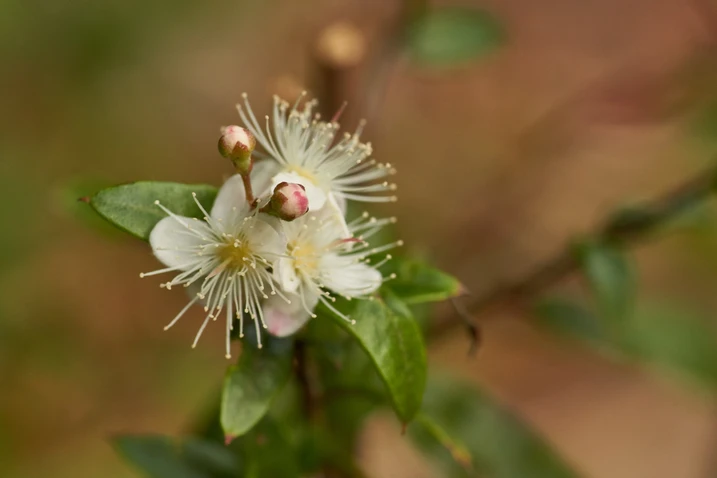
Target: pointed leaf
x=471 y=435
x=392 y=339
x=454 y=35
x=132 y=208
x=251 y=385
x=611 y=279
x=164 y=457
x=417 y=282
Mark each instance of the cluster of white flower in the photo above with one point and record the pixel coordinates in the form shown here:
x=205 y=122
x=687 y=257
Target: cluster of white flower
x=272 y=257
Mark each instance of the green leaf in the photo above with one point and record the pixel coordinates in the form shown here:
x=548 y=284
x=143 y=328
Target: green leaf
x=471 y=435
x=416 y=282
x=454 y=35
x=252 y=384
x=674 y=339
x=164 y=457
x=132 y=208
x=392 y=339
x=570 y=318
x=611 y=279
x=267 y=452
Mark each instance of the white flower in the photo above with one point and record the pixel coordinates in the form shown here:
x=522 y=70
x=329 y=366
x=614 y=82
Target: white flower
x=303 y=146
x=224 y=259
x=320 y=261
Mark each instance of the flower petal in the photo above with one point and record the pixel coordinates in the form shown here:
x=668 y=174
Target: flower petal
x=285 y=274
x=263 y=237
x=284 y=319
x=347 y=277
x=316 y=196
x=231 y=194
x=175 y=240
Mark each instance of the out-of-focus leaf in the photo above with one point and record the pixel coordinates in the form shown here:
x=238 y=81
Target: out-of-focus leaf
x=393 y=341
x=611 y=279
x=674 y=339
x=267 y=452
x=470 y=435
x=164 y=457
x=454 y=35
x=132 y=208
x=251 y=385
x=569 y=318
x=416 y=282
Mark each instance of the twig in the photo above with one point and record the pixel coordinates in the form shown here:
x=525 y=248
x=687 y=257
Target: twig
x=309 y=400
x=623 y=229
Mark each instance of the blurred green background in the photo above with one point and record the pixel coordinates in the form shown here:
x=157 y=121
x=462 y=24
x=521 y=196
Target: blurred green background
x=586 y=106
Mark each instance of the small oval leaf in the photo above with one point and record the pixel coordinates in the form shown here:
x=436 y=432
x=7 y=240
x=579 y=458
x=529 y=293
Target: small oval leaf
x=251 y=385
x=132 y=208
x=453 y=35
x=611 y=279
x=416 y=282
x=392 y=339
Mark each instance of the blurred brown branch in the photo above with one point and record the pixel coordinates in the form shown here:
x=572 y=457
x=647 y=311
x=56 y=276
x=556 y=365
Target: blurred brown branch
x=622 y=229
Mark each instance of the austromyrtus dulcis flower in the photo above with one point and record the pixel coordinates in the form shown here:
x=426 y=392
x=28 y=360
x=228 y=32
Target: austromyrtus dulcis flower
x=270 y=249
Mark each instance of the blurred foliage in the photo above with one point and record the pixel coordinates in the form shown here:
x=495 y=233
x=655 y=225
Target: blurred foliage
x=452 y=36
x=470 y=435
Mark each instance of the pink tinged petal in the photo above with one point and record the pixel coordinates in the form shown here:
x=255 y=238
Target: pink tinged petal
x=175 y=240
x=316 y=196
x=284 y=319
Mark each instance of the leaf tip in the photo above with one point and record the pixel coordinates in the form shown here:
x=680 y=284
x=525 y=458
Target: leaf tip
x=228 y=438
x=84 y=199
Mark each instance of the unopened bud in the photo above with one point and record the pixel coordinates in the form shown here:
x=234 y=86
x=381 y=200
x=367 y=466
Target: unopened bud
x=237 y=144
x=289 y=201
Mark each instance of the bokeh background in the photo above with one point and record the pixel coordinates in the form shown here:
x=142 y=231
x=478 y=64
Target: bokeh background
x=587 y=105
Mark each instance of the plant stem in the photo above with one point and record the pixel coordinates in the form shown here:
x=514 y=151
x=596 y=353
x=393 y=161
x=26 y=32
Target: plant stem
x=246 y=179
x=622 y=229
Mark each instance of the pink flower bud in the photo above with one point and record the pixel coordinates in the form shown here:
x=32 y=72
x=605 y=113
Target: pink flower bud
x=237 y=144
x=289 y=201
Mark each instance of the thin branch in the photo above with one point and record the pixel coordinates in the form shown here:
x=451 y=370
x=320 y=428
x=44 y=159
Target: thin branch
x=622 y=229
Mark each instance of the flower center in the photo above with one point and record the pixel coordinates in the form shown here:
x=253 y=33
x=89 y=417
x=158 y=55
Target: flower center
x=304 y=173
x=235 y=253
x=305 y=258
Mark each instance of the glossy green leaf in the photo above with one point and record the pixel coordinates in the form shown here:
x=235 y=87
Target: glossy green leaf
x=416 y=282
x=392 y=339
x=252 y=384
x=611 y=279
x=674 y=339
x=569 y=318
x=454 y=35
x=164 y=457
x=471 y=435
x=132 y=208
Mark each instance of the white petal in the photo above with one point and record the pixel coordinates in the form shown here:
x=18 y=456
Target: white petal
x=284 y=319
x=316 y=196
x=176 y=243
x=347 y=277
x=338 y=207
x=263 y=237
x=231 y=195
x=285 y=274
x=261 y=177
